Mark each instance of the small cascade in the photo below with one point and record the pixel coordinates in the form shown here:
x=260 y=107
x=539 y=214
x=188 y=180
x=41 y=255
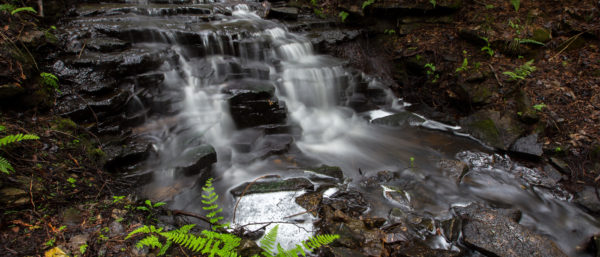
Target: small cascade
x=217 y=91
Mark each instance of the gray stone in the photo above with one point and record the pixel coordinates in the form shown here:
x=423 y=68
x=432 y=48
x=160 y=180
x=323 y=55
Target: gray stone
x=497 y=235
x=116 y=229
x=588 y=198
x=492 y=128
x=196 y=159
x=275 y=185
x=77 y=241
x=400 y=120
x=283 y=13
x=528 y=145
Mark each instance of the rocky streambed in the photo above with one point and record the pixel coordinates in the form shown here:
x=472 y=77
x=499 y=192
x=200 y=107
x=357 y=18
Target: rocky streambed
x=182 y=91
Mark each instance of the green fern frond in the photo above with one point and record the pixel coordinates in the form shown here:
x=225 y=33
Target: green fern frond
x=210 y=199
x=16 y=138
x=7 y=7
x=5 y=166
x=150 y=241
x=2 y=128
x=268 y=241
x=23 y=9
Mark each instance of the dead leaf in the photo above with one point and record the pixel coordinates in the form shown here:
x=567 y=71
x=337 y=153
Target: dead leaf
x=55 y=252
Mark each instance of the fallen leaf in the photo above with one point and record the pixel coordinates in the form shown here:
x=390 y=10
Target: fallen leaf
x=55 y=252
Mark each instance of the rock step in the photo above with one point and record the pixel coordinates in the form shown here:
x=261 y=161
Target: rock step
x=89 y=10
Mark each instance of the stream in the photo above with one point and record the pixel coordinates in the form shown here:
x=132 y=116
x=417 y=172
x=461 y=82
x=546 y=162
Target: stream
x=265 y=102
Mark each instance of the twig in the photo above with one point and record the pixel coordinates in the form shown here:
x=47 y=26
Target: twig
x=183 y=251
x=300 y=213
x=279 y=222
x=185 y=213
x=31 y=192
x=83 y=47
x=570 y=40
x=100 y=191
x=246 y=189
x=495 y=75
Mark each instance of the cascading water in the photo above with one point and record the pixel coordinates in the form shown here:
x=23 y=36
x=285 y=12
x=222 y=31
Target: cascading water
x=273 y=70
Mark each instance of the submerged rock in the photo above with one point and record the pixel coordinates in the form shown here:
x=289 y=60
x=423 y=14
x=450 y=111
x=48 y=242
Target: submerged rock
x=196 y=159
x=400 y=120
x=276 y=185
x=495 y=234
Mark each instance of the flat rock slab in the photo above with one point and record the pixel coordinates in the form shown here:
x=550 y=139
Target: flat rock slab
x=494 y=234
x=284 y=13
x=196 y=159
x=277 y=185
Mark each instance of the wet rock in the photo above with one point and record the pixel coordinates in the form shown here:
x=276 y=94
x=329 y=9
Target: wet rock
x=78 y=108
x=248 y=248
x=13 y=196
x=492 y=233
x=349 y=202
x=561 y=165
x=343 y=252
x=528 y=146
x=588 y=198
x=283 y=13
x=252 y=103
x=494 y=129
x=275 y=185
x=400 y=120
x=272 y=145
x=127 y=153
x=330 y=171
x=475 y=93
x=106 y=45
x=419 y=248
x=10 y=90
x=310 y=200
x=454 y=169
x=196 y=159
x=552 y=174
x=322 y=39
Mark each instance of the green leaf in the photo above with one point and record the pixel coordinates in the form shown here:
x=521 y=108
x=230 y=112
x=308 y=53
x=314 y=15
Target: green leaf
x=343 y=15
x=159 y=204
x=143 y=208
x=23 y=9
x=367 y=3
x=539 y=107
x=516 y=4
x=149 y=203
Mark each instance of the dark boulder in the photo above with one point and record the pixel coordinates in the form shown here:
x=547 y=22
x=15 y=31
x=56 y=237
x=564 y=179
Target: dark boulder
x=497 y=235
x=196 y=159
x=528 y=146
x=274 y=185
x=588 y=198
x=283 y=13
x=402 y=119
x=492 y=128
x=126 y=154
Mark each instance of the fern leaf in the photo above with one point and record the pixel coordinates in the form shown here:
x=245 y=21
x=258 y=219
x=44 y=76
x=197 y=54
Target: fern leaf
x=16 y=138
x=2 y=128
x=150 y=241
x=5 y=166
x=165 y=247
x=145 y=230
x=26 y=9
x=268 y=241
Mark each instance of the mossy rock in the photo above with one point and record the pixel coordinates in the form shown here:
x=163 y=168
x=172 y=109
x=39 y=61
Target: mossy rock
x=277 y=185
x=542 y=35
x=64 y=124
x=493 y=129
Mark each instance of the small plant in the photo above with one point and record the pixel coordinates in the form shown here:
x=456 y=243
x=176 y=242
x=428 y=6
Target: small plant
x=516 y=4
x=539 y=107
x=465 y=63
x=72 y=181
x=367 y=3
x=389 y=32
x=5 y=166
x=412 y=162
x=319 y=12
x=209 y=200
x=487 y=49
x=83 y=248
x=149 y=205
x=269 y=240
x=14 y=10
x=50 y=80
x=343 y=15
x=117 y=198
x=433 y=2
x=521 y=72
x=489 y=6
x=50 y=242
x=431 y=72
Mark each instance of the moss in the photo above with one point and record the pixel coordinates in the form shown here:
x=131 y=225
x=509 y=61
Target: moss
x=486 y=130
x=64 y=124
x=542 y=35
